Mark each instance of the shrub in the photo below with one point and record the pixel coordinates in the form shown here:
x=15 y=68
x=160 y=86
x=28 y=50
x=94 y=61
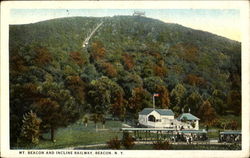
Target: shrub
x=114 y=143
x=233 y=146
x=162 y=145
x=128 y=142
x=234 y=125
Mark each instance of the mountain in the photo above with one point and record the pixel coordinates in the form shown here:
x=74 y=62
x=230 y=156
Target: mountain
x=137 y=55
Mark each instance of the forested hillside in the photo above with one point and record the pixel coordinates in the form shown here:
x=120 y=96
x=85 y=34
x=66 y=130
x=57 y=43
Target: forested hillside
x=127 y=60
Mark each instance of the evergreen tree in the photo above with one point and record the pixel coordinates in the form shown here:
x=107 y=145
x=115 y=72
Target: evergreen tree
x=30 y=130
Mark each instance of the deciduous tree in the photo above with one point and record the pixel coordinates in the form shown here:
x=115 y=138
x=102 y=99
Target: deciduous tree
x=206 y=112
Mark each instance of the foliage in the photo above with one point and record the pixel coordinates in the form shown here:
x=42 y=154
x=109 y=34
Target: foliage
x=162 y=145
x=234 y=101
x=109 y=69
x=164 y=97
x=206 y=112
x=98 y=51
x=85 y=121
x=102 y=93
x=114 y=143
x=234 y=146
x=177 y=97
x=138 y=56
x=128 y=61
x=76 y=56
x=54 y=105
x=194 y=102
x=30 y=131
x=140 y=99
x=95 y=118
x=128 y=141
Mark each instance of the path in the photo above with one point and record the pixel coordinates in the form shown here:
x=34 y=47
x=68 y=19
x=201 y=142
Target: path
x=86 y=41
x=125 y=125
x=149 y=142
x=84 y=146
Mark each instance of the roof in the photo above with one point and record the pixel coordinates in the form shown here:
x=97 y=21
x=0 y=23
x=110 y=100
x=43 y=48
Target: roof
x=147 y=129
x=192 y=131
x=231 y=132
x=188 y=116
x=146 y=111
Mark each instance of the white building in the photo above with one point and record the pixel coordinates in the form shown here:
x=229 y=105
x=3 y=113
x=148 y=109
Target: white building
x=164 y=118
x=138 y=13
x=190 y=120
x=156 y=118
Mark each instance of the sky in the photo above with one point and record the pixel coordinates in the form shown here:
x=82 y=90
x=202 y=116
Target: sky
x=223 y=22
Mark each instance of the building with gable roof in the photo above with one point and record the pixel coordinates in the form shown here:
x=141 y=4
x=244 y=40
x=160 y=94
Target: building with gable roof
x=164 y=118
x=190 y=119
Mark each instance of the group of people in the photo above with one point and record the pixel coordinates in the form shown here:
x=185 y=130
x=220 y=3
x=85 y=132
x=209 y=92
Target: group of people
x=230 y=138
x=189 y=138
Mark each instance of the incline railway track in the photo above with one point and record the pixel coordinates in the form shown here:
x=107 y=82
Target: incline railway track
x=86 y=41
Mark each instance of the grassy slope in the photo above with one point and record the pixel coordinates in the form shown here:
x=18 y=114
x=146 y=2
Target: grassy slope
x=77 y=135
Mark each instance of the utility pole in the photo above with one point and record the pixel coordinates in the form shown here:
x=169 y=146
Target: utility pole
x=154 y=101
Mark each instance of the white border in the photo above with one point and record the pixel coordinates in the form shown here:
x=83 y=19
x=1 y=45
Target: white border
x=242 y=5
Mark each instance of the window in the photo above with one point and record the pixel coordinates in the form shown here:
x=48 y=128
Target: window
x=151 y=118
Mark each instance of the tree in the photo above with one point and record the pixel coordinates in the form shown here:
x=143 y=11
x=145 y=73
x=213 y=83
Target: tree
x=234 y=125
x=109 y=69
x=152 y=83
x=160 y=70
x=195 y=80
x=85 y=121
x=21 y=97
x=30 y=130
x=164 y=99
x=206 y=112
x=103 y=92
x=57 y=108
x=97 y=51
x=140 y=99
x=191 y=52
x=95 y=118
x=234 y=101
x=42 y=56
x=128 y=141
x=89 y=73
x=77 y=88
x=102 y=120
x=177 y=97
x=147 y=70
x=128 y=82
x=114 y=143
x=128 y=61
x=77 y=57
x=194 y=101
x=118 y=107
x=218 y=98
